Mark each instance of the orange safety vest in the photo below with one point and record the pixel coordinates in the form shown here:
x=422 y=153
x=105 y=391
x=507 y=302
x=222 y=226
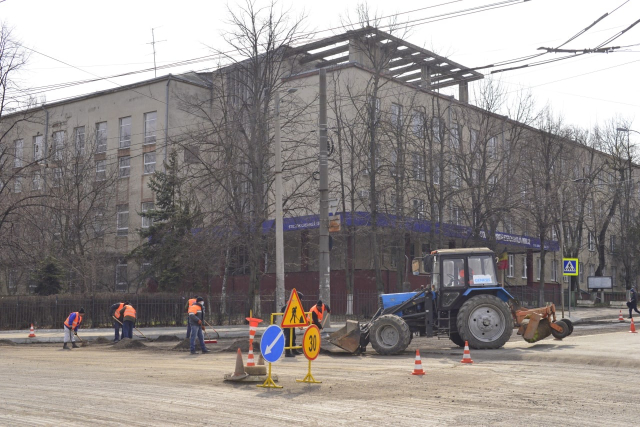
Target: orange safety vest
x=195 y=309
x=191 y=302
x=76 y=321
x=129 y=311
x=115 y=313
x=319 y=313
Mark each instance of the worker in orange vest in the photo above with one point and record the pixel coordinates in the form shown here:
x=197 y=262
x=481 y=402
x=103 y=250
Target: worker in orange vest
x=114 y=312
x=128 y=315
x=71 y=326
x=196 y=318
x=189 y=304
x=317 y=313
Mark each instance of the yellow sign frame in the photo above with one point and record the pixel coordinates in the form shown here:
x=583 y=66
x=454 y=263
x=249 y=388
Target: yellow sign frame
x=577 y=266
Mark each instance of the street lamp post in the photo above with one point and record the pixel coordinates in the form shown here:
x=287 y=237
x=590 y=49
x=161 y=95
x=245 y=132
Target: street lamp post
x=280 y=296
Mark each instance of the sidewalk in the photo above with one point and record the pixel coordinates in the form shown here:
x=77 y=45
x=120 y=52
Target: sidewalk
x=578 y=315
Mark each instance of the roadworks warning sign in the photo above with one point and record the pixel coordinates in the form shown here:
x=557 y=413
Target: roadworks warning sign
x=294 y=314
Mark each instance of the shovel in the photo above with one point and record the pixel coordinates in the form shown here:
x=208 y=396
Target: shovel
x=114 y=318
x=208 y=341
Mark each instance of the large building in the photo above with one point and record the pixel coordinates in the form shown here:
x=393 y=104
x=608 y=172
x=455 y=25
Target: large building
x=411 y=169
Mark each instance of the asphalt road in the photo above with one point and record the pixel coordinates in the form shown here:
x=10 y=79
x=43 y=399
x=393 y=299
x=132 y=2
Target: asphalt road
x=580 y=381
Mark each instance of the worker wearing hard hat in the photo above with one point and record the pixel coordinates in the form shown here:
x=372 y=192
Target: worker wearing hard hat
x=317 y=313
x=71 y=326
x=189 y=304
x=196 y=317
x=128 y=314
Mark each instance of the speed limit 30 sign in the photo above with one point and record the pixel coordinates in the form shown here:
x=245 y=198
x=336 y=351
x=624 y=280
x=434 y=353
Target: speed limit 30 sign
x=311 y=342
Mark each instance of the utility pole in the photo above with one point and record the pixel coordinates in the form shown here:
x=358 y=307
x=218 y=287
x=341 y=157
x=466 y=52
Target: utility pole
x=279 y=225
x=153 y=44
x=324 y=260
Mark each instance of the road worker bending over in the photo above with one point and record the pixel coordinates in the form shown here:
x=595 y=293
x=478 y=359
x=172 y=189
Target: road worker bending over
x=71 y=326
x=128 y=314
x=317 y=313
x=196 y=317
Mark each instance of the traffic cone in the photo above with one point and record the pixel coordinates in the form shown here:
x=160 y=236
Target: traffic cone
x=620 y=319
x=253 y=325
x=32 y=332
x=239 y=373
x=417 y=368
x=632 y=329
x=250 y=361
x=466 y=357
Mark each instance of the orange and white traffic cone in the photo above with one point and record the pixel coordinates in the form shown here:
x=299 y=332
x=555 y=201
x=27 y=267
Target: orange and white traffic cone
x=417 y=368
x=620 y=319
x=32 y=332
x=250 y=361
x=632 y=328
x=253 y=325
x=466 y=357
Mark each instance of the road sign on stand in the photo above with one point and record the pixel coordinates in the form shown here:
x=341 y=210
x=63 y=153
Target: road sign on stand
x=311 y=342
x=294 y=314
x=272 y=343
x=570 y=266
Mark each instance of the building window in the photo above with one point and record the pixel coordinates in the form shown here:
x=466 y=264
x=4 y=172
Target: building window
x=473 y=140
x=418 y=208
x=79 y=138
x=125 y=132
x=396 y=116
x=456 y=215
x=19 y=151
x=455 y=136
x=121 y=278
x=455 y=179
x=146 y=221
x=36 y=184
x=12 y=280
x=38 y=148
x=17 y=184
x=122 y=220
x=524 y=267
x=436 y=175
x=57 y=177
x=614 y=274
x=191 y=155
x=58 y=145
x=612 y=238
x=418 y=166
x=554 y=270
x=417 y=124
x=592 y=243
x=363 y=194
x=150 y=128
x=435 y=127
x=435 y=217
x=592 y=270
x=101 y=137
x=98 y=222
x=492 y=149
x=581 y=275
x=101 y=170
x=512 y=267
x=124 y=166
x=149 y=162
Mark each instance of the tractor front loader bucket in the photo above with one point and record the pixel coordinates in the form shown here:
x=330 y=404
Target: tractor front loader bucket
x=347 y=338
x=536 y=324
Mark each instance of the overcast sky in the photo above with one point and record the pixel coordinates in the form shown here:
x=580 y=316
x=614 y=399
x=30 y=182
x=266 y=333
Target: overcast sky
x=107 y=38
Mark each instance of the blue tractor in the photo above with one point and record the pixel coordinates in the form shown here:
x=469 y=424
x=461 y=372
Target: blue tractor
x=465 y=303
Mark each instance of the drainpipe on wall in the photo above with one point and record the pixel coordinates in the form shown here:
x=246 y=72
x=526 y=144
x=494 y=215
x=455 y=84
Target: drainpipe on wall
x=46 y=146
x=166 y=122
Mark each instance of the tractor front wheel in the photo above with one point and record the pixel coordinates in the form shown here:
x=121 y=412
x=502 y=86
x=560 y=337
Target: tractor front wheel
x=389 y=334
x=485 y=322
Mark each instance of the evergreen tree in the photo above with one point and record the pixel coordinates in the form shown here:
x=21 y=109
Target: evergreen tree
x=167 y=240
x=48 y=277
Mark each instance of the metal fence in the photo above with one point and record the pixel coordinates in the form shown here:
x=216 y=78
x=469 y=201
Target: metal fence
x=159 y=309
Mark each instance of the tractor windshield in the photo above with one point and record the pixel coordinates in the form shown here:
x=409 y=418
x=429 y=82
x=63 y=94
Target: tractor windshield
x=482 y=270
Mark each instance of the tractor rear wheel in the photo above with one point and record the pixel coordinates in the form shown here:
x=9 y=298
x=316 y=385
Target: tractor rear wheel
x=389 y=334
x=456 y=339
x=485 y=322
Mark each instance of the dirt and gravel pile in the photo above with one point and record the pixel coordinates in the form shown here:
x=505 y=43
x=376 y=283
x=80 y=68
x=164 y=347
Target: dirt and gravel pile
x=243 y=345
x=102 y=340
x=7 y=342
x=166 y=338
x=128 y=344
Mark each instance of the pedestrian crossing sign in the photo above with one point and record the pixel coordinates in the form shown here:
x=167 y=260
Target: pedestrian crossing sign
x=294 y=314
x=570 y=266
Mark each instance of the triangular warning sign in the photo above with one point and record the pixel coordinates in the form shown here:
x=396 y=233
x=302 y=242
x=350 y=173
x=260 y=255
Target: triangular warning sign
x=294 y=314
